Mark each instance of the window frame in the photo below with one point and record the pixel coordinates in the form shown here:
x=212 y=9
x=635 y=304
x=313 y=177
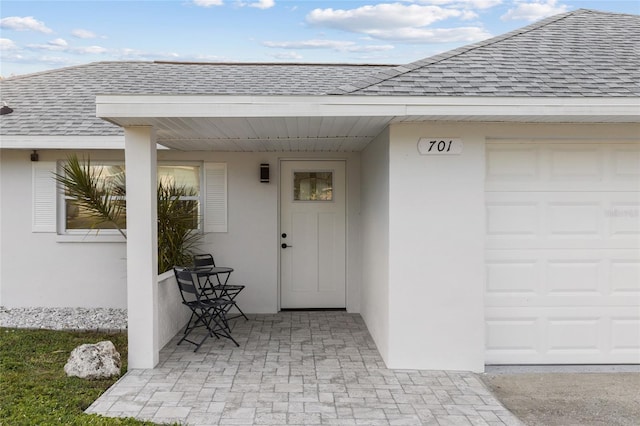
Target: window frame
x=112 y=235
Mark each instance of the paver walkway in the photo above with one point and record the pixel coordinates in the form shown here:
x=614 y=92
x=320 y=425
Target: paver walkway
x=297 y=368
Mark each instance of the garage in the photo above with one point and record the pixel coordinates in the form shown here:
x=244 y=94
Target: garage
x=562 y=252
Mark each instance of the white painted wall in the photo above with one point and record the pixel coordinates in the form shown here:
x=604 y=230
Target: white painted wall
x=172 y=314
x=94 y=274
x=436 y=251
x=375 y=241
x=35 y=269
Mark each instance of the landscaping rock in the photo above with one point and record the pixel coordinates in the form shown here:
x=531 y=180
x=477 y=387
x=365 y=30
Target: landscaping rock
x=94 y=361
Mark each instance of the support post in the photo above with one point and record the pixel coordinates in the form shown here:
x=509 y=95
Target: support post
x=142 y=243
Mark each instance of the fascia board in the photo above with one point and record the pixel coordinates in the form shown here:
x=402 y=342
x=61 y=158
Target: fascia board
x=162 y=106
x=63 y=142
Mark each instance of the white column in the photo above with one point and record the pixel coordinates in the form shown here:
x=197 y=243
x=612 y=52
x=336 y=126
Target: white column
x=142 y=242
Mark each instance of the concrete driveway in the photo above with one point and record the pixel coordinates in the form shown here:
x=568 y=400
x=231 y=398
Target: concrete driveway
x=557 y=398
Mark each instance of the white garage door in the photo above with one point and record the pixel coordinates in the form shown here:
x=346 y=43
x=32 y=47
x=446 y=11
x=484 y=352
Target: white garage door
x=563 y=252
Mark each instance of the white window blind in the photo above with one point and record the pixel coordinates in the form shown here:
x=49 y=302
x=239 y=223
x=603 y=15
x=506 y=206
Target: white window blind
x=43 y=205
x=215 y=217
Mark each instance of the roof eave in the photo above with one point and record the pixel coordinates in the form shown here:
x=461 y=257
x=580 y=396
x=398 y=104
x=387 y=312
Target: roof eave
x=122 y=109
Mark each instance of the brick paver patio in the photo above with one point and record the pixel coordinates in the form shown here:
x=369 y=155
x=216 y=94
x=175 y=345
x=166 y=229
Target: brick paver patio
x=297 y=368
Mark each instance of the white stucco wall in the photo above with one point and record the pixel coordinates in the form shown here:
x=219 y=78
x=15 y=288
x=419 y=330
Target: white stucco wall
x=38 y=270
x=436 y=251
x=375 y=241
x=172 y=314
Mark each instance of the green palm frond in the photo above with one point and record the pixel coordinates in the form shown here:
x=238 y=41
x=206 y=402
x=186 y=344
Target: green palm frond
x=177 y=226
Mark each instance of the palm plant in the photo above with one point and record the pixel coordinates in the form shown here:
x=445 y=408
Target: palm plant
x=177 y=220
x=104 y=201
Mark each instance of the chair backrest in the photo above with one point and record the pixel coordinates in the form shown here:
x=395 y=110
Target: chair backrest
x=200 y=260
x=189 y=290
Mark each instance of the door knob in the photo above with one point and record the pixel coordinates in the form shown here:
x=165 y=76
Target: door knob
x=284 y=245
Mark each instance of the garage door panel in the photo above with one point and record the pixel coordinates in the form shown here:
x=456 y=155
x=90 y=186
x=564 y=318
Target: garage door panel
x=562 y=166
x=516 y=335
x=624 y=219
x=512 y=163
x=562 y=219
x=571 y=163
x=625 y=335
x=625 y=276
x=626 y=163
x=562 y=335
x=539 y=278
x=562 y=253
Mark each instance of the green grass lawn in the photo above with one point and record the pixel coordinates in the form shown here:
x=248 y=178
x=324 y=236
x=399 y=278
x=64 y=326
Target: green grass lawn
x=34 y=390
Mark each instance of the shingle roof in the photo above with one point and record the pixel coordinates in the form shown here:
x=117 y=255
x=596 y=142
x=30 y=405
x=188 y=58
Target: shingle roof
x=62 y=102
x=584 y=53
x=578 y=54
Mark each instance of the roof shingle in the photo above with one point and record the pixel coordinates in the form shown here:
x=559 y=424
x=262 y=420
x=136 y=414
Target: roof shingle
x=584 y=53
x=62 y=101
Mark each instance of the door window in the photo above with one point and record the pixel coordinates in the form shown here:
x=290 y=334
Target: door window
x=312 y=186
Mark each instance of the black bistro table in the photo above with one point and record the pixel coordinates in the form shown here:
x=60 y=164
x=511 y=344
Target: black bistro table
x=220 y=287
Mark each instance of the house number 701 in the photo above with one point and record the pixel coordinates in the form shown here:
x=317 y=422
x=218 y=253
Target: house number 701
x=440 y=146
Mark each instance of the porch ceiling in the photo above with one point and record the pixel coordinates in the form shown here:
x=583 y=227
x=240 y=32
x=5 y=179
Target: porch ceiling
x=332 y=123
x=264 y=133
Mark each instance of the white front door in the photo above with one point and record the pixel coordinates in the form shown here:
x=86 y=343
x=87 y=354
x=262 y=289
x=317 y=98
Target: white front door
x=312 y=234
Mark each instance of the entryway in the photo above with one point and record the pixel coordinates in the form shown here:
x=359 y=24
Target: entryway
x=312 y=234
x=296 y=368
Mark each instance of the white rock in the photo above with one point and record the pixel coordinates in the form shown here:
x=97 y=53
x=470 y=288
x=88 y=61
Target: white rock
x=94 y=361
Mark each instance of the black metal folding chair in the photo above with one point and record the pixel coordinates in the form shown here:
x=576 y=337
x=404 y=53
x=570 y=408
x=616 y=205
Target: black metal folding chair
x=205 y=311
x=221 y=287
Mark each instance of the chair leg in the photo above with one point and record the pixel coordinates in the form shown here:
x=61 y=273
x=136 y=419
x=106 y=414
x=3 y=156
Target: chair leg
x=222 y=324
x=230 y=296
x=191 y=325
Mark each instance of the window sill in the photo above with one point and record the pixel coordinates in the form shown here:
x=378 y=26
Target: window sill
x=90 y=237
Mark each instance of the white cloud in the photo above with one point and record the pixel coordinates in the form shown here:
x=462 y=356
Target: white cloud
x=88 y=50
x=59 y=42
x=61 y=45
x=435 y=35
x=533 y=11
x=380 y=16
x=341 y=46
x=263 y=4
x=472 y=4
x=80 y=33
x=141 y=55
x=208 y=3
x=401 y=22
x=286 y=56
x=7 y=44
x=26 y=23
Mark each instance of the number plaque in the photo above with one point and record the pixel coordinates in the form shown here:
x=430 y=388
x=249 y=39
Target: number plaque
x=440 y=146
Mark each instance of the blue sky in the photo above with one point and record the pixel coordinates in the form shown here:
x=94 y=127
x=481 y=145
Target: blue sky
x=40 y=35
